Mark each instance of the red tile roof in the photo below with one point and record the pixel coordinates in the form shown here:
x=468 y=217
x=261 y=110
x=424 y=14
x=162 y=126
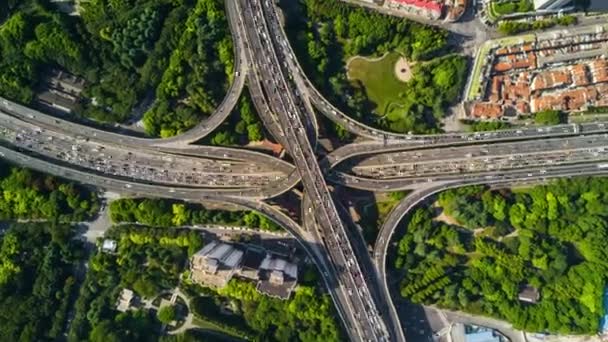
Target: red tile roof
x=428 y=5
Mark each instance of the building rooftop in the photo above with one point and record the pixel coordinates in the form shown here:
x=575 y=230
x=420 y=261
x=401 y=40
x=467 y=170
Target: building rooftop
x=529 y=294
x=482 y=336
x=124 y=300
x=476 y=333
x=271 y=263
x=431 y=8
x=216 y=263
x=425 y=4
x=109 y=246
x=207 y=248
x=253 y=259
x=54 y=100
x=220 y=252
x=233 y=259
x=563 y=69
x=278 y=277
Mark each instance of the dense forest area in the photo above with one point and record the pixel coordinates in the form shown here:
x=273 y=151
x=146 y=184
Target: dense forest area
x=176 y=54
x=38 y=280
x=487 y=245
x=306 y=316
x=325 y=34
x=150 y=260
x=167 y=213
x=29 y=195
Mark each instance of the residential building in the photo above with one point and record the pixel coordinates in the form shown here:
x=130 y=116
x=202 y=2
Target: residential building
x=565 y=70
x=215 y=264
x=61 y=91
x=277 y=277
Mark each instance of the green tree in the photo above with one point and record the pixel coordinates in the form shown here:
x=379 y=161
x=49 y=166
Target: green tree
x=167 y=314
x=550 y=117
x=104 y=332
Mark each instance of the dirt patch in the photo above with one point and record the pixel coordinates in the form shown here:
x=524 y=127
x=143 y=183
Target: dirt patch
x=403 y=70
x=446 y=219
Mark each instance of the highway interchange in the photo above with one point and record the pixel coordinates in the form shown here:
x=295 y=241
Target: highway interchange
x=179 y=169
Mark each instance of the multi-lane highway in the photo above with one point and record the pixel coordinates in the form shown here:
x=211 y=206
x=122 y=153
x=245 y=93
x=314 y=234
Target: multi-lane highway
x=283 y=99
x=136 y=164
x=489 y=161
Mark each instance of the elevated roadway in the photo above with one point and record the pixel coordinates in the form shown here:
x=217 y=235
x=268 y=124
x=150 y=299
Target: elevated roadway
x=189 y=167
x=143 y=189
x=176 y=168
x=206 y=125
x=433 y=164
x=389 y=226
x=370 y=147
x=151 y=166
x=68 y=128
x=281 y=94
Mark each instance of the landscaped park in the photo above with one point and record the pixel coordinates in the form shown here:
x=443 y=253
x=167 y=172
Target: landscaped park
x=387 y=72
x=383 y=79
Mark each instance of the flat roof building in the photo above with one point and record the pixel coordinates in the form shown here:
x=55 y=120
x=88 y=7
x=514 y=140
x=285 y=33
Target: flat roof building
x=529 y=294
x=109 y=246
x=476 y=333
x=125 y=300
x=551 y=4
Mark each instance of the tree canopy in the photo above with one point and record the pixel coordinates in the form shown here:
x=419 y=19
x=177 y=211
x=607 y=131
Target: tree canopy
x=37 y=280
x=242 y=127
x=167 y=213
x=550 y=117
x=325 y=34
x=497 y=242
x=307 y=316
x=30 y=195
x=176 y=55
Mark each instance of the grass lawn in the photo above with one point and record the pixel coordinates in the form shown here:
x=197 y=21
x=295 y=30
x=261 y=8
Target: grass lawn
x=509 y=7
x=215 y=329
x=378 y=78
x=374 y=214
